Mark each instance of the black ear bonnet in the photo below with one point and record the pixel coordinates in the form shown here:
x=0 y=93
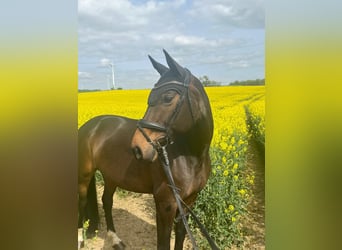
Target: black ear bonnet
x=162 y=87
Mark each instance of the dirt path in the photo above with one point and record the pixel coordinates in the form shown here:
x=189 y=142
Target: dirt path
x=134 y=222
x=254 y=222
x=134 y=219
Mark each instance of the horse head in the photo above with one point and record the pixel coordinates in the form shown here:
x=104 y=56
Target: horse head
x=177 y=105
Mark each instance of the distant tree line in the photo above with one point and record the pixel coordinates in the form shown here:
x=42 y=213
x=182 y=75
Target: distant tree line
x=248 y=82
x=208 y=83
x=88 y=90
x=95 y=90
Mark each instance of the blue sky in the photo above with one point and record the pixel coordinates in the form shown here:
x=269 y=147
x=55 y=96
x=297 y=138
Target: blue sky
x=223 y=39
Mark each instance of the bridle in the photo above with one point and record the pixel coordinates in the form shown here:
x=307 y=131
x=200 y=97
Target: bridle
x=182 y=88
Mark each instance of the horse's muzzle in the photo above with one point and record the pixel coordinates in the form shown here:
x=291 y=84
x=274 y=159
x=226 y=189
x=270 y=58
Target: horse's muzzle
x=142 y=149
x=149 y=154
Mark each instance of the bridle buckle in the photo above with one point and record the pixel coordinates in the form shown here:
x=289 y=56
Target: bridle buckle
x=163 y=141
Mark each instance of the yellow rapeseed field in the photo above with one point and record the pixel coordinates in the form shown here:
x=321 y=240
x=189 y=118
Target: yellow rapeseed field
x=226 y=102
x=130 y=103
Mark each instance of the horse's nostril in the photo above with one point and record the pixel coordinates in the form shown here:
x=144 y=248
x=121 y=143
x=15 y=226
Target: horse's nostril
x=137 y=153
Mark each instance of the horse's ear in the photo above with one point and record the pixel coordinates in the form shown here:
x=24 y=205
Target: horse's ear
x=174 y=66
x=158 y=66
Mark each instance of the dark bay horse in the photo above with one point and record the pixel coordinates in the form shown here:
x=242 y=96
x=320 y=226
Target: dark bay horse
x=124 y=150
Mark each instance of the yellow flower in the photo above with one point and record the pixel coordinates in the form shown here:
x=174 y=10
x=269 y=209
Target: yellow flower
x=86 y=225
x=223 y=145
x=235 y=177
x=224 y=159
x=235 y=166
x=242 y=192
x=233 y=219
x=231 y=208
x=225 y=172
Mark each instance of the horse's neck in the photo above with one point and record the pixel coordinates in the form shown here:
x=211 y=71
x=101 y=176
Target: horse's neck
x=196 y=141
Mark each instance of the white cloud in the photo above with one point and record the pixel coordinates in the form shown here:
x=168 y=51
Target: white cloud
x=122 y=14
x=84 y=75
x=239 y=13
x=189 y=40
x=239 y=64
x=105 y=61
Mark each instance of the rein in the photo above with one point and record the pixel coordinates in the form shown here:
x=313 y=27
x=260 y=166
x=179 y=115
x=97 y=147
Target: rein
x=166 y=166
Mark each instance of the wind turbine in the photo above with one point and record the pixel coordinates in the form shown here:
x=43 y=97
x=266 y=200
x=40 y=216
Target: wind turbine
x=111 y=65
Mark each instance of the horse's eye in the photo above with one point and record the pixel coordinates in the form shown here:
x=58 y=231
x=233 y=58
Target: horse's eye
x=167 y=98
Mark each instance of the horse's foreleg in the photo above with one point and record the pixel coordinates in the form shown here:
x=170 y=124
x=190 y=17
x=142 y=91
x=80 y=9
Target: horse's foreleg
x=180 y=233
x=179 y=227
x=166 y=212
